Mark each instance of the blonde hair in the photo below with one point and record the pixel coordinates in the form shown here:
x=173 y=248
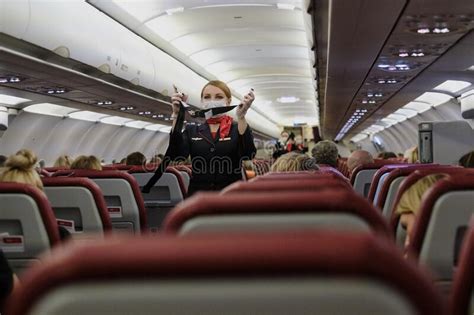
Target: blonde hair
x=20 y=168
x=218 y=84
x=63 y=161
x=294 y=162
x=87 y=163
x=410 y=201
x=411 y=155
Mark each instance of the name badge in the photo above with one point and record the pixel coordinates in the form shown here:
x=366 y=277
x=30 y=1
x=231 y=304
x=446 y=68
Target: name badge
x=225 y=139
x=196 y=139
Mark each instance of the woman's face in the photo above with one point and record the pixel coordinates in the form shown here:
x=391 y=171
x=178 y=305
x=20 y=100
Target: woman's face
x=213 y=93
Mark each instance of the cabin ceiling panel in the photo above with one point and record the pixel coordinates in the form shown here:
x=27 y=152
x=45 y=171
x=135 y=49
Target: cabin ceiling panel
x=411 y=61
x=238 y=42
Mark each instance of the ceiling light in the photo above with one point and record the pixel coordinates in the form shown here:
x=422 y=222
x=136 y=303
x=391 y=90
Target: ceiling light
x=141 y=113
x=288 y=99
x=57 y=90
x=115 y=120
x=87 y=116
x=403 y=54
x=434 y=98
x=105 y=103
x=139 y=124
x=383 y=66
x=285 y=6
x=147 y=113
x=378 y=94
x=372 y=102
x=123 y=108
x=381 y=81
x=452 y=86
x=130 y=108
x=12 y=100
x=174 y=10
x=423 y=30
x=370 y=95
x=154 y=116
x=49 y=109
x=419 y=107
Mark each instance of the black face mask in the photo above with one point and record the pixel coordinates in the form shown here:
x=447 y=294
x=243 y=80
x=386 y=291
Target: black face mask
x=207 y=113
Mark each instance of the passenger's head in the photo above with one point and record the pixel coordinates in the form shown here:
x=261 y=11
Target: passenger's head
x=3 y=159
x=217 y=92
x=388 y=155
x=294 y=162
x=20 y=168
x=63 y=161
x=325 y=152
x=358 y=158
x=467 y=160
x=157 y=159
x=410 y=202
x=411 y=155
x=135 y=158
x=86 y=163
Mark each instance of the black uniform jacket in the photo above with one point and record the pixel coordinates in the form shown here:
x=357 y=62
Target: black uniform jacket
x=216 y=162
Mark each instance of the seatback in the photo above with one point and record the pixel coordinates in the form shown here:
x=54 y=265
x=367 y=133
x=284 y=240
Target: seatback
x=443 y=216
x=163 y=196
x=284 y=185
x=297 y=273
x=122 y=195
x=79 y=206
x=27 y=224
x=461 y=300
x=376 y=184
x=267 y=211
x=361 y=177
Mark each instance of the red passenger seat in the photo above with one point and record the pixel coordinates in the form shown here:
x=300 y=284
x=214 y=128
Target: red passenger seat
x=27 y=224
x=122 y=195
x=442 y=218
x=267 y=211
x=288 y=273
x=80 y=201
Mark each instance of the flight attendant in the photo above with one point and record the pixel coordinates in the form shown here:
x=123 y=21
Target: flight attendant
x=217 y=147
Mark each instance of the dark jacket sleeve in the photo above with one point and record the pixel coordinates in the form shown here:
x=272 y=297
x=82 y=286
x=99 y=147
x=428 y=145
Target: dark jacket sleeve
x=247 y=148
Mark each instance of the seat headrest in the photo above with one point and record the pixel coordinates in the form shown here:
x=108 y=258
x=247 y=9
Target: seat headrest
x=284 y=185
x=342 y=201
x=370 y=166
x=47 y=214
x=91 y=186
x=327 y=254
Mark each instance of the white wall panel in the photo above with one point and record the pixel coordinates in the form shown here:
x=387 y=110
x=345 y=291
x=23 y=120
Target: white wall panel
x=50 y=137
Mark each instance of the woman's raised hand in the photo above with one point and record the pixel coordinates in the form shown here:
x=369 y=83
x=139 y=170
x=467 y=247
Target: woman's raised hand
x=176 y=100
x=245 y=105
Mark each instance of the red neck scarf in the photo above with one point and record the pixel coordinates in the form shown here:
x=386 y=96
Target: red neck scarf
x=225 y=122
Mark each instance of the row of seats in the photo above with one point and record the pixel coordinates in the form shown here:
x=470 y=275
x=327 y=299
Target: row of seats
x=442 y=218
x=259 y=240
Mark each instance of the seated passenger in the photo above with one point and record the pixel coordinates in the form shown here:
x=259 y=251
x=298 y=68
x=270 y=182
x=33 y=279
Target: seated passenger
x=20 y=168
x=411 y=155
x=63 y=161
x=294 y=162
x=410 y=202
x=358 y=158
x=387 y=155
x=325 y=152
x=467 y=160
x=157 y=158
x=86 y=163
x=135 y=158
